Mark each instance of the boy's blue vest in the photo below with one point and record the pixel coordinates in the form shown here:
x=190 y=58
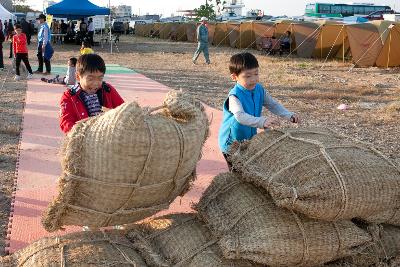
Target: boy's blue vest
x=231 y=130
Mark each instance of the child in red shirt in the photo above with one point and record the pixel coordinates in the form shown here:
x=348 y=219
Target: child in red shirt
x=90 y=96
x=20 y=49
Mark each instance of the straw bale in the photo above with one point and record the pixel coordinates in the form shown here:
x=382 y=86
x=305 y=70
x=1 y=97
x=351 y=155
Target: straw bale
x=77 y=250
x=179 y=240
x=252 y=227
x=128 y=163
x=322 y=174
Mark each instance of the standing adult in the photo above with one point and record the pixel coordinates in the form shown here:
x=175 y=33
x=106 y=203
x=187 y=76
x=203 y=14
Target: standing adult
x=44 y=49
x=31 y=29
x=202 y=39
x=63 y=29
x=55 y=29
x=82 y=31
x=2 y=39
x=5 y=27
x=91 y=31
x=26 y=28
x=10 y=34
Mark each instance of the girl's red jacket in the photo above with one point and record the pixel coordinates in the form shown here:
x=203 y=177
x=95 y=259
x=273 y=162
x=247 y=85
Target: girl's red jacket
x=73 y=109
x=20 y=44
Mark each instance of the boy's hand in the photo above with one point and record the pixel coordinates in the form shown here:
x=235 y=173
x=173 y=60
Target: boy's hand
x=295 y=118
x=271 y=122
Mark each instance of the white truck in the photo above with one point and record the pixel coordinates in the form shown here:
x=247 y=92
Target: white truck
x=392 y=17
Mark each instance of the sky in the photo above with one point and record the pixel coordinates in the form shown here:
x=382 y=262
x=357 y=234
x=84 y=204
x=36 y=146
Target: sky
x=270 y=7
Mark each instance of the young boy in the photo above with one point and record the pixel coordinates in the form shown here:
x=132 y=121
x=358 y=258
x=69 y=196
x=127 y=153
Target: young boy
x=20 y=48
x=242 y=109
x=86 y=48
x=69 y=79
x=87 y=98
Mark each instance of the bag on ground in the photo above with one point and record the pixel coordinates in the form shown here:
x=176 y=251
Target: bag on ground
x=179 y=240
x=252 y=227
x=77 y=250
x=322 y=174
x=128 y=163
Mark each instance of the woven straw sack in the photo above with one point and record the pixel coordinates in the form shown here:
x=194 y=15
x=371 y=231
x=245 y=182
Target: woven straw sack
x=77 y=250
x=382 y=251
x=322 y=174
x=179 y=240
x=253 y=228
x=128 y=163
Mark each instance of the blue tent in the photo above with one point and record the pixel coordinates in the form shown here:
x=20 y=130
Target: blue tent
x=76 y=9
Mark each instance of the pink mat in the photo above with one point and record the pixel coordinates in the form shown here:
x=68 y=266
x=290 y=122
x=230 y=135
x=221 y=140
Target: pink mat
x=39 y=166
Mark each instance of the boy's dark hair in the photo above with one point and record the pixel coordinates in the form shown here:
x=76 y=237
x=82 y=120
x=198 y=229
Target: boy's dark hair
x=73 y=60
x=241 y=62
x=17 y=26
x=90 y=63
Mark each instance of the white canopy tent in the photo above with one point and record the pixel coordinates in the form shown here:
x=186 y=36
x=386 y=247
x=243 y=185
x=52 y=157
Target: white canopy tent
x=5 y=14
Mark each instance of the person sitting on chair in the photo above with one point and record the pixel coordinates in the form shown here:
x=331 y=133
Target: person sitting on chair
x=286 y=41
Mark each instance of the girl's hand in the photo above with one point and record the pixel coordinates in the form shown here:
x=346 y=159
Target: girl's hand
x=271 y=122
x=295 y=118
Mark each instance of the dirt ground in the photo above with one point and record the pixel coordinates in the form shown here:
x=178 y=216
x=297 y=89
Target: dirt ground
x=309 y=87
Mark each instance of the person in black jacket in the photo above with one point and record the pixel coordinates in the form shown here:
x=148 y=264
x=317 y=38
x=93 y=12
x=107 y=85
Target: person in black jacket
x=2 y=39
x=26 y=29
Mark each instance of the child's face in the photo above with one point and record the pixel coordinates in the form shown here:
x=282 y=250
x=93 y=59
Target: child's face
x=70 y=63
x=247 y=78
x=18 y=31
x=90 y=81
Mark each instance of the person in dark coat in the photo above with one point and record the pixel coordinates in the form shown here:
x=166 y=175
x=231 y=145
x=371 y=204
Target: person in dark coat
x=26 y=29
x=2 y=39
x=10 y=34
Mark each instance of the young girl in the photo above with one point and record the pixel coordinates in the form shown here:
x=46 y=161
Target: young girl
x=243 y=107
x=70 y=77
x=20 y=49
x=86 y=48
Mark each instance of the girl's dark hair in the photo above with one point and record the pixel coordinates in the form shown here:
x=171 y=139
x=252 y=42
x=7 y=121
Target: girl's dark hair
x=90 y=63
x=17 y=26
x=241 y=62
x=73 y=60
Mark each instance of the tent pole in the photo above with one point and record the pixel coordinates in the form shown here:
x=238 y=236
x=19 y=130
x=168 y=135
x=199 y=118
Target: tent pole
x=109 y=22
x=291 y=36
x=390 y=44
x=321 y=41
x=343 y=45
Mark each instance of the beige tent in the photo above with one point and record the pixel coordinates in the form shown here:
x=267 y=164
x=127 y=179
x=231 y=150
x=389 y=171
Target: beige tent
x=182 y=37
x=191 y=28
x=261 y=30
x=140 y=29
x=166 y=30
x=366 y=41
x=322 y=39
x=211 y=31
x=221 y=35
x=147 y=29
x=332 y=41
x=306 y=36
x=246 y=35
x=156 y=29
x=178 y=32
x=390 y=53
x=233 y=33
